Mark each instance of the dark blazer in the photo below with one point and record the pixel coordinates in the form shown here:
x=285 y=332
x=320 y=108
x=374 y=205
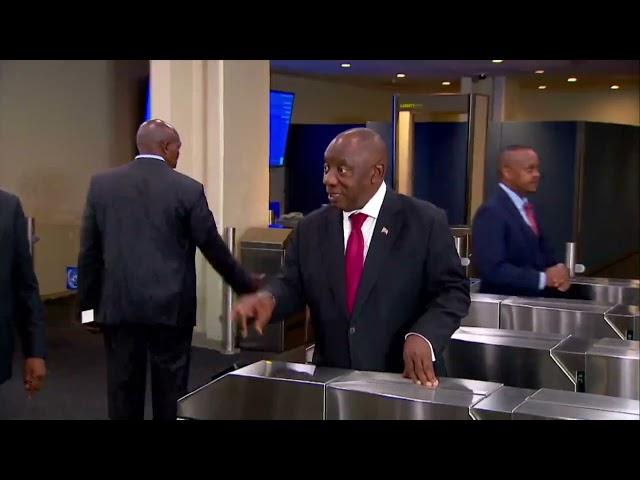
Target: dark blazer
x=20 y=304
x=412 y=282
x=507 y=255
x=141 y=226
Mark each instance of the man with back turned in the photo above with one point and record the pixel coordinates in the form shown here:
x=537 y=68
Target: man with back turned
x=141 y=226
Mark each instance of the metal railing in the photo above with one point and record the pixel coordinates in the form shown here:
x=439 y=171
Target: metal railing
x=570 y=260
x=228 y=330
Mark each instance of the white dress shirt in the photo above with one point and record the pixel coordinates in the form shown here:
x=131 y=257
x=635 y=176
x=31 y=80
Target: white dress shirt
x=520 y=202
x=372 y=210
x=145 y=155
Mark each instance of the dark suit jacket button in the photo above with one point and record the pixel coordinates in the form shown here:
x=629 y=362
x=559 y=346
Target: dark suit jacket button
x=352 y=330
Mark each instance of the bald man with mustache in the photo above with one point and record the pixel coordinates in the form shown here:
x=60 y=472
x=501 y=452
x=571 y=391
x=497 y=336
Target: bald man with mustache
x=378 y=271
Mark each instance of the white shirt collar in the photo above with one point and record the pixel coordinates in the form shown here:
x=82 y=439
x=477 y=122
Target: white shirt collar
x=373 y=206
x=148 y=155
x=518 y=201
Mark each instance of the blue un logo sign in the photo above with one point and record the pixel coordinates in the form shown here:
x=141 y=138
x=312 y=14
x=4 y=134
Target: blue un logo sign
x=72 y=278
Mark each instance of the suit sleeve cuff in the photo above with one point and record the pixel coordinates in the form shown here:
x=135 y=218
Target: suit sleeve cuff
x=433 y=356
x=543 y=281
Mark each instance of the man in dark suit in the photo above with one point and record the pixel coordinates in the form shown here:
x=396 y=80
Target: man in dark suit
x=136 y=269
x=20 y=304
x=510 y=252
x=378 y=270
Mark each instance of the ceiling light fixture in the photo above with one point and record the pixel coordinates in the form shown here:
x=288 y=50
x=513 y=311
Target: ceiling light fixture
x=542 y=87
x=497 y=61
x=572 y=79
x=345 y=65
x=615 y=87
x=446 y=84
x=539 y=72
x=400 y=75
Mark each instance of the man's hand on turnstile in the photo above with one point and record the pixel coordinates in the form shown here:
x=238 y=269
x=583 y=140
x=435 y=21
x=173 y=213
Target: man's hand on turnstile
x=256 y=308
x=418 y=365
x=558 y=277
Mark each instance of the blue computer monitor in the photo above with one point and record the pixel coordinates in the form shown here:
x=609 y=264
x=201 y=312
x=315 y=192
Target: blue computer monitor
x=280 y=109
x=147 y=108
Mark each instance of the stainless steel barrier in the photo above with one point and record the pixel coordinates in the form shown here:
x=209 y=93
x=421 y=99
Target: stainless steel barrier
x=288 y=391
x=609 y=290
x=600 y=290
x=516 y=359
x=613 y=368
x=462 y=240
x=484 y=311
x=541 y=360
x=500 y=404
x=266 y=390
x=262 y=250
x=582 y=318
x=570 y=260
x=548 y=404
x=510 y=403
x=386 y=396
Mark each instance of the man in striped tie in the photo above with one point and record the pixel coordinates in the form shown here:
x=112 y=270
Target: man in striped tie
x=509 y=250
x=378 y=270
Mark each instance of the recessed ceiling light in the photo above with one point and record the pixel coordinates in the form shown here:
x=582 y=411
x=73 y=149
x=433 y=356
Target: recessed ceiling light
x=539 y=72
x=572 y=79
x=497 y=61
x=345 y=65
x=615 y=87
x=400 y=75
x=542 y=87
x=446 y=84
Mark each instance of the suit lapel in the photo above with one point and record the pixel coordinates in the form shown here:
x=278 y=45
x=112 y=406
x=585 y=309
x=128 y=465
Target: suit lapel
x=333 y=255
x=386 y=232
x=515 y=214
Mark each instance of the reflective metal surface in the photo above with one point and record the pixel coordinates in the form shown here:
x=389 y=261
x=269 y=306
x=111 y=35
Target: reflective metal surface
x=625 y=320
x=386 y=396
x=228 y=325
x=262 y=391
x=613 y=368
x=461 y=239
x=308 y=354
x=558 y=405
x=569 y=355
x=500 y=404
x=570 y=258
x=287 y=391
x=582 y=318
x=262 y=250
x=484 y=311
x=514 y=358
x=609 y=290
x=301 y=354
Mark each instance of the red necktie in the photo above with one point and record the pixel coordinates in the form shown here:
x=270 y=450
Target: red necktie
x=354 y=258
x=528 y=210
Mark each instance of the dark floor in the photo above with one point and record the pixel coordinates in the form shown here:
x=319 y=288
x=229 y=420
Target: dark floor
x=75 y=386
